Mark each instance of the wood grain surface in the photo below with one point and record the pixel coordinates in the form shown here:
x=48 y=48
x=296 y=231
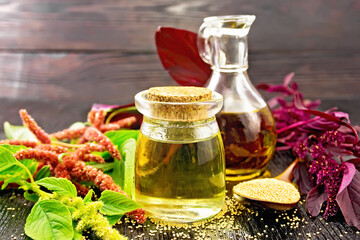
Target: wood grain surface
x=94 y=77
x=130 y=25
x=57 y=57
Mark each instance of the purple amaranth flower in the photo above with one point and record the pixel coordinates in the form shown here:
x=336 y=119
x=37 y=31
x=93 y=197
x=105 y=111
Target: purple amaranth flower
x=327 y=174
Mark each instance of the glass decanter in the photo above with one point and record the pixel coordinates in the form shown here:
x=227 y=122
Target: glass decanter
x=246 y=122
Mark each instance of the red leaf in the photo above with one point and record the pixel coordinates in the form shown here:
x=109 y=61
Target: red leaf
x=356 y=162
x=302 y=178
x=179 y=55
x=314 y=201
x=347 y=176
x=299 y=105
x=348 y=197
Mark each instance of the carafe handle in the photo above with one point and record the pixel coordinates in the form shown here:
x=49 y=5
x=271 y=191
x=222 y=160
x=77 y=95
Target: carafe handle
x=203 y=43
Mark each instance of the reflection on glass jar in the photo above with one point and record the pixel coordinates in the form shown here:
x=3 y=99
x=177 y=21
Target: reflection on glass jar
x=180 y=163
x=246 y=122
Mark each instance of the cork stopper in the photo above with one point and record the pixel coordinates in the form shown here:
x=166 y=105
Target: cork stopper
x=179 y=94
x=167 y=103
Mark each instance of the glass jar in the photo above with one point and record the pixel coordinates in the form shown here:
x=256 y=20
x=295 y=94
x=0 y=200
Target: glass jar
x=179 y=161
x=246 y=122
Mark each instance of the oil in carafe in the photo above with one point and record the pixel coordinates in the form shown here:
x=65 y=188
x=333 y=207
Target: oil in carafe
x=249 y=140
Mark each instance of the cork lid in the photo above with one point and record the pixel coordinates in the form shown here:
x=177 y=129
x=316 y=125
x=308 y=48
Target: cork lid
x=179 y=94
x=178 y=103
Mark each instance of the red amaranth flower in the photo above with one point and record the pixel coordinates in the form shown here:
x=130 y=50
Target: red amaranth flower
x=91 y=116
x=61 y=171
x=26 y=143
x=52 y=148
x=92 y=134
x=49 y=158
x=79 y=171
x=88 y=148
x=30 y=123
x=72 y=165
x=69 y=133
x=99 y=119
x=92 y=158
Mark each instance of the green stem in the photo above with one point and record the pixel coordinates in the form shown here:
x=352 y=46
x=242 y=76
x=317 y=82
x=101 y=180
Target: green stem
x=69 y=145
x=27 y=171
x=35 y=188
x=117 y=112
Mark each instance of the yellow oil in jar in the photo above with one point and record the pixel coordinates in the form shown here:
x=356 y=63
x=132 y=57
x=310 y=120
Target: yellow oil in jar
x=180 y=181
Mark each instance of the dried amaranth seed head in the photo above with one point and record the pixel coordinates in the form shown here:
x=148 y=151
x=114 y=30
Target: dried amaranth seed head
x=168 y=103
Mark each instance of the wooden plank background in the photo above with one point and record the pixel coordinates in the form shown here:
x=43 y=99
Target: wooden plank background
x=73 y=53
x=130 y=25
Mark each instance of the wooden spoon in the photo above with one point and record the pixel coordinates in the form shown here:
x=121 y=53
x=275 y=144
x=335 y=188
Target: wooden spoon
x=285 y=176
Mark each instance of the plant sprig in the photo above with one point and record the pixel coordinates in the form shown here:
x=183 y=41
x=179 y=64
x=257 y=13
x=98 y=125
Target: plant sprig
x=58 y=213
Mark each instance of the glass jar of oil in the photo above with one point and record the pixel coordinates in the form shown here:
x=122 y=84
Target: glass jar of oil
x=180 y=162
x=246 y=122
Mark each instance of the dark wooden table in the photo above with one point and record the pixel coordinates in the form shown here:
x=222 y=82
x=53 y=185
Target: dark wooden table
x=57 y=57
x=238 y=222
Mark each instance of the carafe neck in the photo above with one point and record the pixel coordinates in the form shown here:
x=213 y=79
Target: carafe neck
x=222 y=42
x=232 y=56
x=239 y=93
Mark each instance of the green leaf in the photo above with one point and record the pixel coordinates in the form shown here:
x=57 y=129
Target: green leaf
x=27 y=186
x=48 y=220
x=10 y=168
x=31 y=197
x=118 y=137
x=113 y=219
x=71 y=209
x=127 y=150
x=77 y=236
x=116 y=203
x=7 y=160
x=61 y=186
x=124 y=170
x=103 y=166
x=18 y=169
x=13 y=148
x=88 y=196
x=11 y=179
x=30 y=164
x=18 y=132
x=43 y=173
x=118 y=172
